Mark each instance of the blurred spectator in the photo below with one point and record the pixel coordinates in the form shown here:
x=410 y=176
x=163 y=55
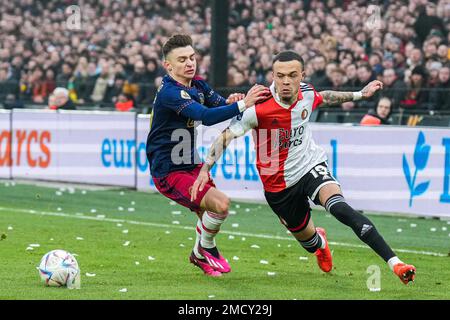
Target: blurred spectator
x=113 y=92
x=365 y=75
x=427 y=21
x=351 y=75
x=416 y=96
x=337 y=79
x=134 y=85
x=440 y=96
x=125 y=102
x=63 y=77
x=319 y=78
x=59 y=100
x=394 y=88
x=381 y=115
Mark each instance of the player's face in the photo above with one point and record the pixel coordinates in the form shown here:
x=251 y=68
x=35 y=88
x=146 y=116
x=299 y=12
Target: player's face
x=287 y=76
x=181 y=63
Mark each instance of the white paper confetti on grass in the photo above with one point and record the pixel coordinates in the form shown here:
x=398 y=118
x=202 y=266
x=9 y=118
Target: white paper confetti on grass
x=247 y=210
x=413 y=225
x=235 y=258
x=235 y=225
x=151 y=258
x=120 y=208
x=433 y=229
x=182 y=245
x=211 y=296
x=237 y=206
x=289 y=245
x=93 y=210
x=90 y=274
x=279 y=245
x=58 y=193
x=29 y=249
x=243 y=239
x=133 y=203
x=175 y=222
x=232 y=212
x=401 y=220
x=79 y=238
x=443 y=228
x=137 y=263
x=231 y=237
x=71 y=190
x=101 y=216
x=448 y=222
x=176 y=212
x=10 y=228
x=271 y=273
x=126 y=243
x=125 y=231
x=399 y=230
x=303 y=258
x=172 y=203
x=264 y=262
x=123 y=290
x=255 y=246
x=13 y=183
x=51 y=239
x=58 y=209
x=167 y=232
x=35 y=245
x=119 y=224
x=190 y=238
x=131 y=209
x=83 y=192
x=122 y=193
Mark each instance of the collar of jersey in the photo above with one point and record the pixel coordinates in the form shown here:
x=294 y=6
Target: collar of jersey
x=278 y=100
x=179 y=84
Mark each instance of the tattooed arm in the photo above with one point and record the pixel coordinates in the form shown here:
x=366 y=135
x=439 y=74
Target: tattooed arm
x=214 y=153
x=338 y=97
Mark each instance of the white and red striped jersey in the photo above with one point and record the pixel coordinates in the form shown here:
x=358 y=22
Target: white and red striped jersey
x=285 y=150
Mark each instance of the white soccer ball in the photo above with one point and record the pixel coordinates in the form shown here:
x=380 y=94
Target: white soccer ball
x=59 y=268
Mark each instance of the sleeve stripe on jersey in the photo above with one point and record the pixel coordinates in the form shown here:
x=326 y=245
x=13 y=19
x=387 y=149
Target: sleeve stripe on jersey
x=184 y=105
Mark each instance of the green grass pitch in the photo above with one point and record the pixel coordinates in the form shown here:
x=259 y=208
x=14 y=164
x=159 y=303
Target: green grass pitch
x=115 y=231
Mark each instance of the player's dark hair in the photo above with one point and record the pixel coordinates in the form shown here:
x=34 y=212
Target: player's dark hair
x=289 y=55
x=176 y=41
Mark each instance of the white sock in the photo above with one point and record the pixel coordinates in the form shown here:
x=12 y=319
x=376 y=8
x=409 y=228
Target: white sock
x=198 y=236
x=210 y=227
x=393 y=261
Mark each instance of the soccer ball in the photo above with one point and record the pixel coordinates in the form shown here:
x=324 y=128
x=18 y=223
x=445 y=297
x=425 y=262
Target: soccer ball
x=59 y=268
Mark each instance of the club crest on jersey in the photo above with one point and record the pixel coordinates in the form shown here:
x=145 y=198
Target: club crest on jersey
x=304 y=114
x=185 y=95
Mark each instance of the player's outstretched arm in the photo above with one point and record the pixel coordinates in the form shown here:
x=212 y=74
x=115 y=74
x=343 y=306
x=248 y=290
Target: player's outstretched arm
x=338 y=97
x=214 y=153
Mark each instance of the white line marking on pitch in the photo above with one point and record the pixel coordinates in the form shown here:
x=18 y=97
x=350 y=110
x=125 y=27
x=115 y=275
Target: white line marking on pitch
x=162 y=225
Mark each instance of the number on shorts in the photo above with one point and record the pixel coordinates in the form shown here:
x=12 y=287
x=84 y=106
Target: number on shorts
x=319 y=170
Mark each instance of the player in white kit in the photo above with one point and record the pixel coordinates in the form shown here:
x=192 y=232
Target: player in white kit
x=293 y=168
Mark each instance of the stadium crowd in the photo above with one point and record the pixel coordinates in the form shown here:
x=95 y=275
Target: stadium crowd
x=114 y=56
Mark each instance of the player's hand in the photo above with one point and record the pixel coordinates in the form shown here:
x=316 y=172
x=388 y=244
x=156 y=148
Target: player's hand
x=255 y=94
x=371 y=88
x=235 y=97
x=199 y=184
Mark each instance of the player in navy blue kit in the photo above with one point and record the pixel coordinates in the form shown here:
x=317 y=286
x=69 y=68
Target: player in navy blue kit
x=174 y=163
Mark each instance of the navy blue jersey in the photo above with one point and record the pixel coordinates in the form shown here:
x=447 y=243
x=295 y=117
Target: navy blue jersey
x=171 y=141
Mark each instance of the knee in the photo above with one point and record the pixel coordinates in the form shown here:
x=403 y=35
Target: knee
x=222 y=207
